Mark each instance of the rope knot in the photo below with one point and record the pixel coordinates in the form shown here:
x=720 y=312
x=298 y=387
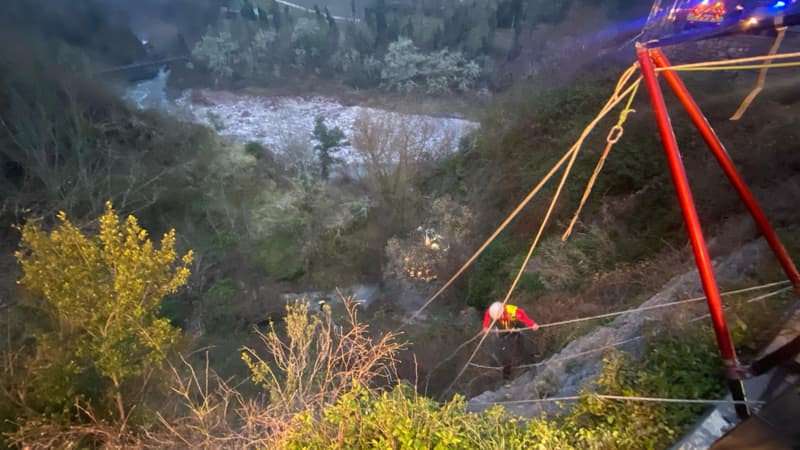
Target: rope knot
x=623 y=116
x=615 y=134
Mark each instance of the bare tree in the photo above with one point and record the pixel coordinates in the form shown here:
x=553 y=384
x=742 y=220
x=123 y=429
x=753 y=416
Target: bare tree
x=394 y=147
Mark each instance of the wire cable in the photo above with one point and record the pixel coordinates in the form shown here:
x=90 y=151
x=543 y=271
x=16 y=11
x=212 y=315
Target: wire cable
x=451 y=356
x=762 y=77
x=727 y=62
x=644 y=308
x=621 y=92
x=566 y=358
x=621 y=343
x=632 y=398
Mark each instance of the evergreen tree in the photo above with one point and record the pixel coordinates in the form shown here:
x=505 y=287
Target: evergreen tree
x=437 y=38
x=408 y=30
x=275 y=12
x=329 y=18
x=380 y=22
x=330 y=141
x=319 y=16
x=287 y=14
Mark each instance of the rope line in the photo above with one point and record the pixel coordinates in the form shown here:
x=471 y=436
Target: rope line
x=632 y=398
x=762 y=77
x=496 y=232
x=484 y=334
x=727 y=68
x=570 y=156
x=523 y=265
x=707 y=65
x=566 y=358
x=755 y=299
x=615 y=99
x=620 y=93
x=452 y=355
x=645 y=308
x=613 y=137
x=621 y=343
x=728 y=62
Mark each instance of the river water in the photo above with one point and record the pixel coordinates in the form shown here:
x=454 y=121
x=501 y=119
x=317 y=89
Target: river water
x=279 y=122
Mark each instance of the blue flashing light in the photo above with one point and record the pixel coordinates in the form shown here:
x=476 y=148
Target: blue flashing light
x=779 y=4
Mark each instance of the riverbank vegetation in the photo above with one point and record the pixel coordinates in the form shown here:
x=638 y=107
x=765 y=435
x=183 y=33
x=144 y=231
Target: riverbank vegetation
x=433 y=48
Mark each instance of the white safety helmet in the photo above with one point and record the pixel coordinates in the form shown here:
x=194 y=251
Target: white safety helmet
x=496 y=310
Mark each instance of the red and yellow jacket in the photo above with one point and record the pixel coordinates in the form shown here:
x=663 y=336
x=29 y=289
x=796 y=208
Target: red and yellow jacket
x=511 y=317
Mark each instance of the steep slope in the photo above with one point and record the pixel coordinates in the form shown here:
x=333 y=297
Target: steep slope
x=557 y=379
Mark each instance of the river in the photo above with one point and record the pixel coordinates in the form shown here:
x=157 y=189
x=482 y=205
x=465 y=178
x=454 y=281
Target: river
x=279 y=122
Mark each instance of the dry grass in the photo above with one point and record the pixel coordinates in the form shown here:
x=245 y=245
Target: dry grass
x=306 y=368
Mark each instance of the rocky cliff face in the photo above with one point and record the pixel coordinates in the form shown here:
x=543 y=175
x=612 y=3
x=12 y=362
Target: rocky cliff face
x=578 y=365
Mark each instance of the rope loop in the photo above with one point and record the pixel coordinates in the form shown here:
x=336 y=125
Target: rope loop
x=615 y=134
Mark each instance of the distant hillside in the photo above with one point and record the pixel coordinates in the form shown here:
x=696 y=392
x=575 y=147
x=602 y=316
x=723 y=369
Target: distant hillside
x=86 y=24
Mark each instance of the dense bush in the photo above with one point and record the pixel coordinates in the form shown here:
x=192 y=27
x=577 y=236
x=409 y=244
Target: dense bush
x=220 y=53
x=102 y=295
x=674 y=366
x=490 y=273
x=407 y=70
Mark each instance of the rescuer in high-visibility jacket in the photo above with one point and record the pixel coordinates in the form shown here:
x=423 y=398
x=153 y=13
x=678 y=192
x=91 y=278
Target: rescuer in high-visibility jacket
x=507 y=317
x=510 y=319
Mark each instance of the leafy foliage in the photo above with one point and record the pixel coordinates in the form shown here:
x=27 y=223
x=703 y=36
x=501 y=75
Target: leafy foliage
x=490 y=273
x=254 y=149
x=104 y=292
x=109 y=288
x=220 y=53
x=563 y=265
x=674 y=366
x=406 y=70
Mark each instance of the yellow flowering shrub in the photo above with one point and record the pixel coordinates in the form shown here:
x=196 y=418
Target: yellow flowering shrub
x=106 y=289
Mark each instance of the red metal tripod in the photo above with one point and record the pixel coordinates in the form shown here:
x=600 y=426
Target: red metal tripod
x=648 y=60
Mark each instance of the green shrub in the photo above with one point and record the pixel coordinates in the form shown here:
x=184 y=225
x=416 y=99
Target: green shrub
x=490 y=272
x=400 y=418
x=219 y=311
x=680 y=365
x=177 y=310
x=569 y=264
x=254 y=149
x=281 y=255
x=531 y=283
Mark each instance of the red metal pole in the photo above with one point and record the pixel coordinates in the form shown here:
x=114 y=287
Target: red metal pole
x=724 y=160
x=701 y=255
